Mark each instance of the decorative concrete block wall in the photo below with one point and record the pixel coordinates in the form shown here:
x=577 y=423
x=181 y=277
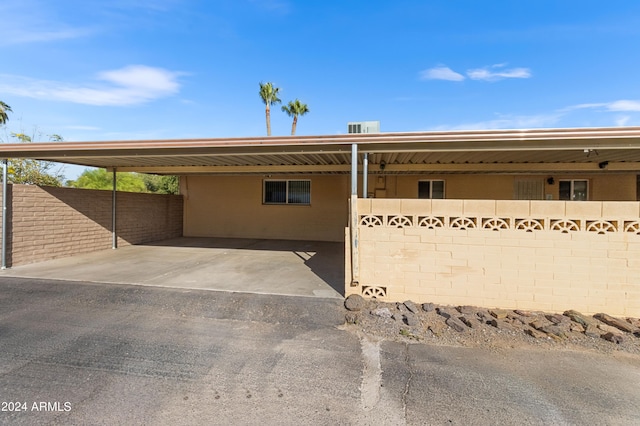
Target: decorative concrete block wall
x=537 y=255
x=47 y=222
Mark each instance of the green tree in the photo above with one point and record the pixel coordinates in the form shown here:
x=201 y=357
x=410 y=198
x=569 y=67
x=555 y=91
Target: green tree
x=269 y=95
x=101 y=179
x=4 y=110
x=295 y=109
x=33 y=172
x=162 y=184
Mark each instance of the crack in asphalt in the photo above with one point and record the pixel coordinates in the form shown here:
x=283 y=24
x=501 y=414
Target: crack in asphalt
x=408 y=382
x=371 y=373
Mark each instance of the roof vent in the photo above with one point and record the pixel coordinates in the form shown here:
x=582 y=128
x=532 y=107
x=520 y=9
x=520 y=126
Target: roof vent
x=363 y=127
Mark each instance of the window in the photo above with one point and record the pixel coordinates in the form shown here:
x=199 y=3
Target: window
x=287 y=192
x=528 y=189
x=431 y=189
x=574 y=190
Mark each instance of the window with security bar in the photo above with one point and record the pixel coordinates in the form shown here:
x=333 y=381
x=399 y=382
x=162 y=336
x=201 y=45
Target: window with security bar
x=287 y=192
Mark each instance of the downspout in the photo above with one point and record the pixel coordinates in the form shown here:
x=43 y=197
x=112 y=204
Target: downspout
x=4 y=213
x=365 y=175
x=114 y=236
x=353 y=223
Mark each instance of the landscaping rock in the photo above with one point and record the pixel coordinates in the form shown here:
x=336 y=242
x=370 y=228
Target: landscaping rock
x=411 y=320
x=615 y=322
x=382 y=312
x=446 y=325
x=579 y=318
x=467 y=310
x=483 y=314
x=470 y=322
x=352 y=317
x=437 y=328
x=411 y=306
x=539 y=323
x=355 y=302
x=499 y=313
x=576 y=328
x=428 y=307
x=634 y=322
x=456 y=324
x=592 y=331
x=536 y=334
x=444 y=312
x=606 y=328
x=554 y=330
x=493 y=322
x=613 y=337
x=556 y=318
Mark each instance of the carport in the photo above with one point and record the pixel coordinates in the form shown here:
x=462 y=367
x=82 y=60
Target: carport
x=294 y=265
x=240 y=166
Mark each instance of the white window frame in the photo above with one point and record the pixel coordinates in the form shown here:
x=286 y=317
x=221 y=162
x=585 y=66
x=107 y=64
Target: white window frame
x=572 y=189
x=444 y=188
x=286 y=201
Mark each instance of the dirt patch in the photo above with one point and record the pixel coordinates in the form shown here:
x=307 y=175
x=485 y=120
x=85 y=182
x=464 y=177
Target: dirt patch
x=472 y=326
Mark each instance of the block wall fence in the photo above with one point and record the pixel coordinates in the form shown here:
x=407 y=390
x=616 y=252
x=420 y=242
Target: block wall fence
x=535 y=255
x=47 y=222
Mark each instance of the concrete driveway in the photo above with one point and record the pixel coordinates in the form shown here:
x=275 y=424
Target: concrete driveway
x=296 y=268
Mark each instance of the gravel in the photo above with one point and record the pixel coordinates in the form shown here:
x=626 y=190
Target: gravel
x=471 y=326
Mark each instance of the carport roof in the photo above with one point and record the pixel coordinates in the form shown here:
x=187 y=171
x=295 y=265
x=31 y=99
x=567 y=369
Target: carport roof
x=528 y=150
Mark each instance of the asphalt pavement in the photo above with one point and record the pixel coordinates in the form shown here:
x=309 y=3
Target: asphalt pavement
x=85 y=353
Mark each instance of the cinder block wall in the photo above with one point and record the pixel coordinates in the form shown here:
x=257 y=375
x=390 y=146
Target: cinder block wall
x=535 y=255
x=47 y=223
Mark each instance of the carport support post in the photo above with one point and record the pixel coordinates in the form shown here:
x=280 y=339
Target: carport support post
x=365 y=174
x=114 y=236
x=353 y=211
x=4 y=213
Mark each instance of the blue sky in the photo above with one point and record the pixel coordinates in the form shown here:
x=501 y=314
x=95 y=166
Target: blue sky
x=145 y=69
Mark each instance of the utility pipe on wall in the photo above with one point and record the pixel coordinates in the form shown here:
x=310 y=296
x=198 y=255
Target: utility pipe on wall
x=4 y=213
x=353 y=213
x=365 y=175
x=114 y=236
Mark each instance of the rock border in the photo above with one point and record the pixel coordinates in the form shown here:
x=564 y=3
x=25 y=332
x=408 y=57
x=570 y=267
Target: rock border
x=477 y=326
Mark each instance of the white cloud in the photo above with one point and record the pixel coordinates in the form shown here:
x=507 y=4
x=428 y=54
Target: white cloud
x=622 y=121
x=620 y=105
x=508 y=122
x=497 y=72
x=624 y=105
x=441 y=73
x=131 y=85
x=490 y=73
x=31 y=21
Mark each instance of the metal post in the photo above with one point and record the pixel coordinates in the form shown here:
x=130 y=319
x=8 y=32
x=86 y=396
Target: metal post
x=365 y=175
x=4 y=213
x=114 y=244
x=353 y=212
x=354 y=169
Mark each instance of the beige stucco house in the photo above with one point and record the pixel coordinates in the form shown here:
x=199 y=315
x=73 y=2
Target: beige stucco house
x=533 y=219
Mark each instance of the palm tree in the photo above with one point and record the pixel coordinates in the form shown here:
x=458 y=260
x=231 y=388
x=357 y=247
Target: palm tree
x=269 y=95
x=294 y=109
x=4 y=109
